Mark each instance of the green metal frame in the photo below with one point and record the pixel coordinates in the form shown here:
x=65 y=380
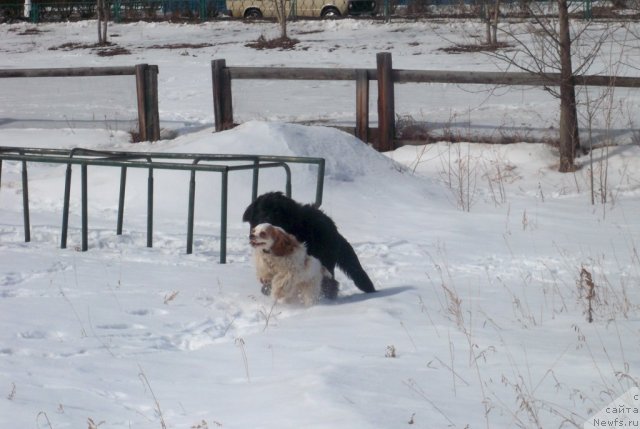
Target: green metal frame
x=152 y=161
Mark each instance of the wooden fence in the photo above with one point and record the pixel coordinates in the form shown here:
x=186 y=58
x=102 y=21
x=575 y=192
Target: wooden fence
x=146 y=89
x=386 y=77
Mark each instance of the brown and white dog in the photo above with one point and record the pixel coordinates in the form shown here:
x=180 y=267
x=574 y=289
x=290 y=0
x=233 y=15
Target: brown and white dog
x=282 y=261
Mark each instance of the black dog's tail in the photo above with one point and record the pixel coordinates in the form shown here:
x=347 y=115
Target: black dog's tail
x=349 y=263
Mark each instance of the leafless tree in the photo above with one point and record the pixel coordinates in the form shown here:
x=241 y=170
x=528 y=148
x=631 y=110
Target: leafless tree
x=550 y=49
x=102 y=7
x=490 y=15
x=282 y=13
x=569 y=133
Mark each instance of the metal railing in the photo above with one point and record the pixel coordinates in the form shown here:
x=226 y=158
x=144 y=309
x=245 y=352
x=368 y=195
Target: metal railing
x=223 y=164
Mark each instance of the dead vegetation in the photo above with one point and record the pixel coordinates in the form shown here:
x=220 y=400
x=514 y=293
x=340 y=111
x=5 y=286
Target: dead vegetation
x=182 y=46
x=474 y=47
x=106 y=50
x=412 y=131
x=30 y=32
x=281 y=43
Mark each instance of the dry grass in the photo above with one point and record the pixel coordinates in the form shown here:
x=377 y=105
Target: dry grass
x=105 y=50
x=474 y=47
x=30 y=32
x=281 y=43
x=411 y=131
x=182 y=46
x=111 y=51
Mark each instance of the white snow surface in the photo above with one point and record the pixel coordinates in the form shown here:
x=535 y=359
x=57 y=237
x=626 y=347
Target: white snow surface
x=476 y=250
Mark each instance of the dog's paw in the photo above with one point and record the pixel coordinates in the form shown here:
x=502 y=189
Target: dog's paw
x=266 y=287
x=329 y=288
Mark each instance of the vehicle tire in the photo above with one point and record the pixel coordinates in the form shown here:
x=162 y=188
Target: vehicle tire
x=253 y=13
x=330 y=12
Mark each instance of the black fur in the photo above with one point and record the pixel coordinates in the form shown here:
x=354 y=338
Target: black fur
x=311 y=226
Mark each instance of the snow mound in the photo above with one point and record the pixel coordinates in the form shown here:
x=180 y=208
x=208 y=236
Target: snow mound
x=347 y=158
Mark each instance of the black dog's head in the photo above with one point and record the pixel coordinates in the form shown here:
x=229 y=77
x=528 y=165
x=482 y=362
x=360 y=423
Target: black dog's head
x=274 y=208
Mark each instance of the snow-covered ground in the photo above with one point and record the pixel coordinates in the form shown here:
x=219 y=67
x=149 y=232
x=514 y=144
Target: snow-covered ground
x=482 y=254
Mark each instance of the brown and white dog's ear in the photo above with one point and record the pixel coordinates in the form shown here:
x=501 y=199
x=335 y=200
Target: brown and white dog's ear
x=283 y=243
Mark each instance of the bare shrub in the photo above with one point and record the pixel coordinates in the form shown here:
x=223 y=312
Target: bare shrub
x=460 y=175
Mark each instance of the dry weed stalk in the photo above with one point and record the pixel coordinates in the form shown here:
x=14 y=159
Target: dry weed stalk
x=460 y=176
x=268 y=315
x=147 y=385
x=390 y=352
x=46 y=418
x=83 y=331
x=93 y=425
x=499 y=172
x=204 y=425
x=413 y=386
x=454 y=308
x=587 y=284
x=170 y=297
x=240 y=343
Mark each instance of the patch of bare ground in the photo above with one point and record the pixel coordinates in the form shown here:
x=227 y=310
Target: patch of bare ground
x=30 y=32
x=182 y=46
x=72 y=46
x=412 y=132
x=305 y=32
x=105 y=50
x=282 y=43
x=111 y=51
x=475 y=47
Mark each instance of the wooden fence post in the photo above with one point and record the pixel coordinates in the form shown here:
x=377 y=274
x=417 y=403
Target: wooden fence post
x=147 y=91
x=362 y=105
x=386 y=104
x=222 y=106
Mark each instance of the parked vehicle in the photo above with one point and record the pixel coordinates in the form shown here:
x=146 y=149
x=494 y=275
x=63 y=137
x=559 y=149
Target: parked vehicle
x=255 y=9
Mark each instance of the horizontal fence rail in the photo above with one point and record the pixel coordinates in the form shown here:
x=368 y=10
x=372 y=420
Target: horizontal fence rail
x=69 y=72
x=193 y=162
x=146 y=89
x=386 y=78
x=428 y=76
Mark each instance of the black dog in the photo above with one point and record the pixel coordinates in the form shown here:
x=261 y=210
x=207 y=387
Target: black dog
x=311 y=226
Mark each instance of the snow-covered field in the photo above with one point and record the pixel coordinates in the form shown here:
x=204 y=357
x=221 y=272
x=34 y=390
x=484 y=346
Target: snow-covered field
x=482 y=254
